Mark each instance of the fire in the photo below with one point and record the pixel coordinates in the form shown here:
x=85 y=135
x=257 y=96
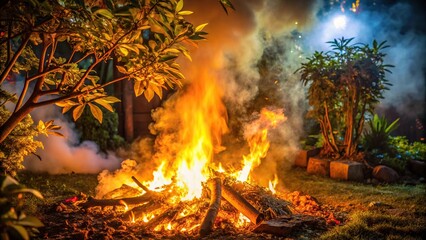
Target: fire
x=273 y=184
x=259 y=146
x=258 y=140
x=159 y=179
x=242 y=221
x=126 y=207
x=200 y=120
x=147 y=217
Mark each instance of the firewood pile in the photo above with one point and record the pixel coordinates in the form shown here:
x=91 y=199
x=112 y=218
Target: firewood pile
x=228 y=209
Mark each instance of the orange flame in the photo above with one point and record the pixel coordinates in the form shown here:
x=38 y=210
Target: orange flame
x=273 y=184
x=258 y=140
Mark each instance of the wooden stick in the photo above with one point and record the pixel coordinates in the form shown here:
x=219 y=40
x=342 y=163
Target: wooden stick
x=92 y=202
x=139 y=211
x=215 y=196
x=167 y=215
x=236 y=200
x=140 y=184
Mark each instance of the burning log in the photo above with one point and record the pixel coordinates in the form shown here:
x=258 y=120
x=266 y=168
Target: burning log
x=140 y=184
x=92 y=202
x=167 y=215
x=215 y=196
x=139 y=211
x=236 y=200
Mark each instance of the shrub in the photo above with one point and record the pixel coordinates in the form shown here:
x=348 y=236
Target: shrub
x=18 y=144
x=105 y=134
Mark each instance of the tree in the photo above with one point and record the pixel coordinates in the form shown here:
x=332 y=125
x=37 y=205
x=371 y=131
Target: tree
x=344 y=85
x=57 y=45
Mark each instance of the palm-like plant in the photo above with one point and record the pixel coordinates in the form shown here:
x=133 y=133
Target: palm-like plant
x=378 y=133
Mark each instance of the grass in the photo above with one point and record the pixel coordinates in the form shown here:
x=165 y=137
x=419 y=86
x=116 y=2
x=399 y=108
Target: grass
x=374 y=212
x=400 y=212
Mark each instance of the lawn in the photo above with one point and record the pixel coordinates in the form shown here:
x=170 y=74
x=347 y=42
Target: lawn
x=367 y=211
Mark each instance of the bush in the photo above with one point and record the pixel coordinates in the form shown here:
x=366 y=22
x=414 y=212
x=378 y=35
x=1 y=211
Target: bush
x=413 y=151
x=105 y=134
x=18 y=144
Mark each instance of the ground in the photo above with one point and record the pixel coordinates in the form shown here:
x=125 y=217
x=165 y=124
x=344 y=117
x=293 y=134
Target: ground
x=362 y=211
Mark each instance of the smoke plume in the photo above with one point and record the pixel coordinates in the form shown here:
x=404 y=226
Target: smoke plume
x=66 y=154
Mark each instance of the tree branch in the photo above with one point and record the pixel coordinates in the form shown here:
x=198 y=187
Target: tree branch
x=15 y=57
x=22 y=96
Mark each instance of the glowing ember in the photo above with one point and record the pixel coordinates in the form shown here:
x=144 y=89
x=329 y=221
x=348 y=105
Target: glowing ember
x=242 y=221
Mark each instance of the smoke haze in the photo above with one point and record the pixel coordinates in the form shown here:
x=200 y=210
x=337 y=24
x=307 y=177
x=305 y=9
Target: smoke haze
x=66 y=154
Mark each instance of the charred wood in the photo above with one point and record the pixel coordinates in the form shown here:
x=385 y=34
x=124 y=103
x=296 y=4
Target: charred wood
x=92 y=202
x=139 y=211
x=236 y=200
x=140 y=184
x=215 y=196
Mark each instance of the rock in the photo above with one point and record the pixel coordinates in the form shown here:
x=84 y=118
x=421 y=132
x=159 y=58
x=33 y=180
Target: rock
x=303 y=156
x=385 y=174
x=417 y=167
x=320 y=166
x=347 y=170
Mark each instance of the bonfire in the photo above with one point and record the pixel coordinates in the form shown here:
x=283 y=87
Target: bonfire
x=194 y=197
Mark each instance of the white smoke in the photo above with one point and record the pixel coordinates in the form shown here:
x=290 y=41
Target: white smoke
x=66 y=154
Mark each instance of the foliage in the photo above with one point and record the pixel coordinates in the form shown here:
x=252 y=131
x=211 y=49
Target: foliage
x=14 y=223
x=343 y=85
x=413 y=151
x=105 y=134
x=20 y=142
x=56 y=45
x=17 y=145
x=378 y=133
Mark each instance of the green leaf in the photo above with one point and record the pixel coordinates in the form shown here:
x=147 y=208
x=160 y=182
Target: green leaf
x=7 y=181
x=123 y=51
x=179 y=6
x=111 y=99
x=149 y=94
x=166 y=58
x=121 y=69
x=22 y=232
x=31 y=221
x=104 y=104
x=185 y=13
x=105 y=13
x=28 y=190
x=200 y=27
x=96 y=112
x=158 y=91
x=138 y=88
x=66 y=109
x=78 y=111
